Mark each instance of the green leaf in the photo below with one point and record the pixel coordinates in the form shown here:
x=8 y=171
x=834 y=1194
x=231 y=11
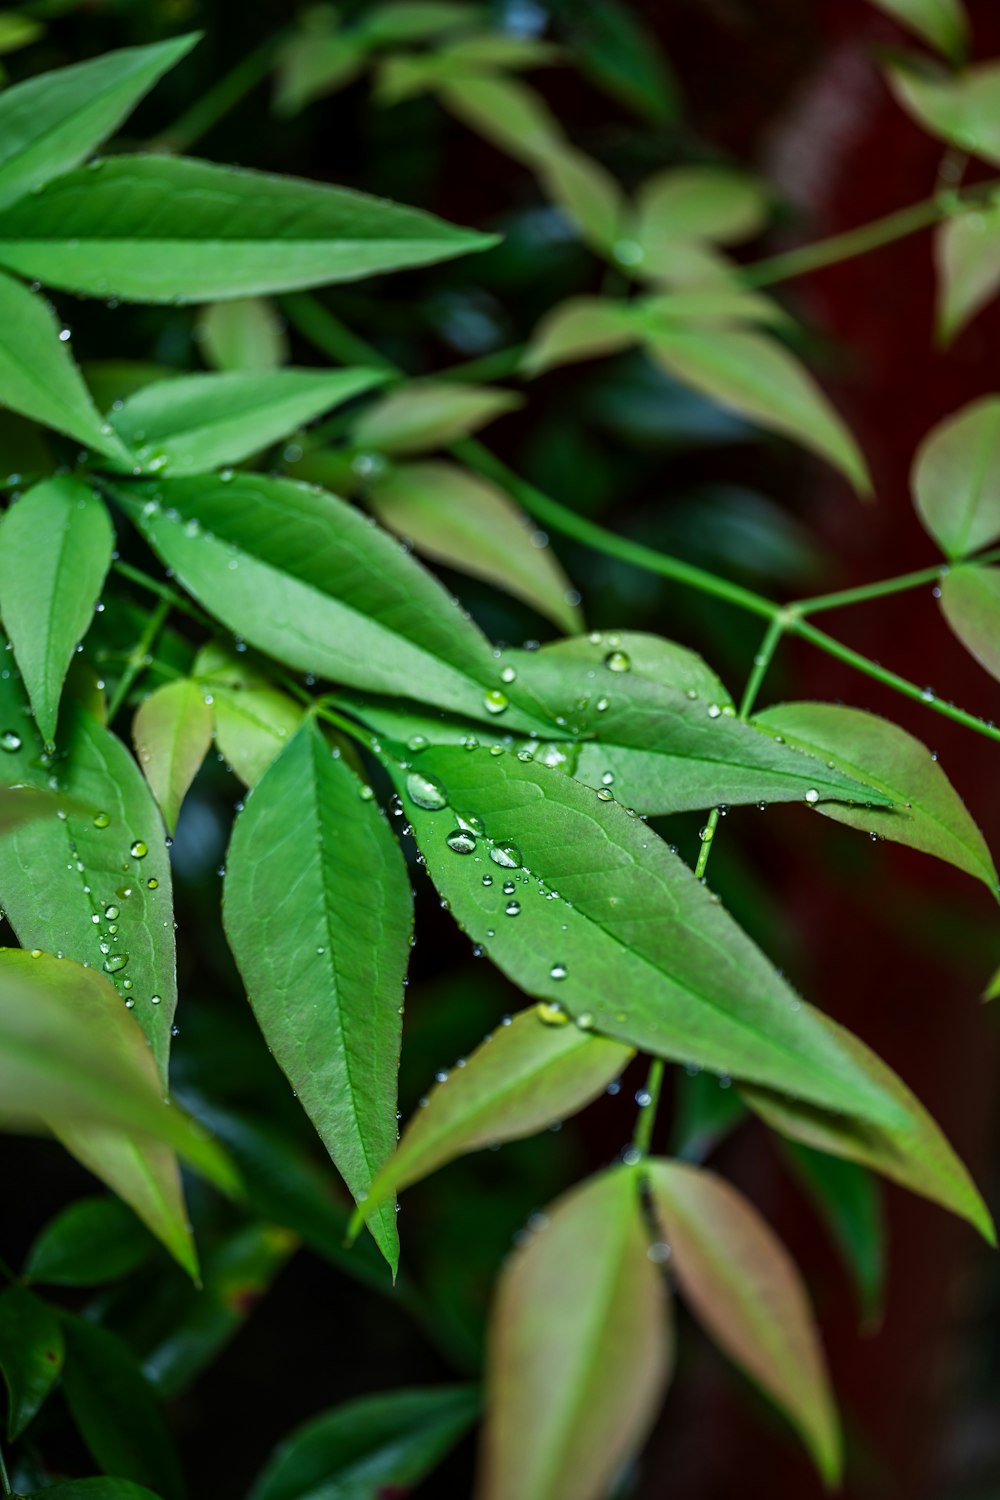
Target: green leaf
x=316 y=60
x=196 y=423
x=253 y=720
x=51 y=123
x=706 y=1110
x=92 y=1241
x=758 y=378
x=19 y=804
x=469 y=61
x=171 y=229
x=992 y=991
x=37 y=375
x=18 y=31
x=417 y=20
x=323 y=963
x=102 y=1488
x=927 y=812
x=744 y=1287
x=970 y=602
x=303 y=576
x=507 y=113
x=579 y=328
x=962 y=108
x=579 y=1349
x=31 y=1355
x=172 y=732
x=849 y=1201
x=702 y=203
x=427 y=414
x=48 y=593
x=532 y=1071
x=943 y=23
x=115 y=1409
x=956 y=479
x=454 y=517
x=588 y=193
x=620 y=54
x=245 y=334
x=967 y=255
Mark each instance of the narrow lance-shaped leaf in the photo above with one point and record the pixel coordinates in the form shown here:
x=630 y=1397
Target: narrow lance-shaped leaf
x=48 y=591
x=253 y=720
x=427 y=414
x=943 y=23
x=318 y=913
x=528 y=1074
x=956 y=479
x=579 y=1350
x=743 y=1285
x=245 y=334
x=579 y=328
x=848 y=1199
x=172 y=731
x=970 y=602
x=170 y=229
x=961 y=108
x=31 y=1355
x=92 y=1241
x=967 y=255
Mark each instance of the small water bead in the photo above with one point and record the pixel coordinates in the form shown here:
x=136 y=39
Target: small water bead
x=706 y=834
x=10 y=741
x=508 y=675
x=513 y=908
x=604 y=795
x=714 y=710
x=551 y=1014
x=461 y=841
x=602 y=705
x=618 y=661
x=487 y=880
x=608 y=778
x=812 y=796
x=426 y=791
x=417 y=742
x=154 y=999
x=558 y=971
x=114 y=962
x=126 y=984
x=102 y=820
x=129 y=1002
x=152 y=885
x=643 y=1098
x=365 y=792
x=508 y=856
x=509 y=888
x=138 y=850
x=658 y=1252
x=494 y=701
x=111 y=912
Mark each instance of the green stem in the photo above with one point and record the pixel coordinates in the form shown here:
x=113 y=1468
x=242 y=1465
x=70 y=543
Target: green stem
x=217 y=101
x=643 y=1135
x=871 y=590
x=137 y=661
x=5 y=1484
x=354 y=731
x=323 y=329
x=162 y=591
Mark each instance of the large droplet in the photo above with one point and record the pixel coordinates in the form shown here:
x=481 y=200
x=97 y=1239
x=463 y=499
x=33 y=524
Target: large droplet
x=558 y=971
x=551 y=1014
x=812 y=795
x=102 y=820
x=138 y=850
x=111 y=912
x=513 y=908
x=618 y=661
x=426 y=791
x=494 y=701
x=461 y=841
x=114 y=962
x=508 y=856
x=10 y=741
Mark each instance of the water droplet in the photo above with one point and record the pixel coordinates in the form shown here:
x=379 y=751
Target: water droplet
x=508 y=675
x=608 y=778
x=812 y=795
x=513 y=908
x=153 y=884
x=154 y=999
x=658 y=1252
x=508 y=856
x=604 y=795
x=487 y=880
x=551 y=1014
x=714 y=710
x=461 y=841
x=706 y=834
x=102 y=820
x=426 y=791
x=114 y=962
x=138 y=850
x=365 y=792
x=36 y=952
x=10 y=741
x=602 y=705
x=509 y=887
x=111 y=912
x=558 y=971
x=618 y=661
x=417 y=742
x=494 y=701
x=643 y=1098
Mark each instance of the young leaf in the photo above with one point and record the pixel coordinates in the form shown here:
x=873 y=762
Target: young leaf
x=943 y=23
x=967 y=255
x=579 y=328
x=92 y=1241
x=956 y=479
x=579 y=1349
x=529 y=1073
x=171 y=229
x=760 y=379
x=633 y=946
x=507 y=113
x=172 y=732
x=457 y=518
x=48 y=593
x=743 y=1285
x=848 y=1199
x=31 y=1355
x=38 y=377
x=702 y=203
x=970 y=602
x=115 y=1409
x=253 y=720
x=962 y=108
x=927 y=813
x=318 y=912
x=51 y=123
x=245 y=334
x=429 y=414
x=379 y=1445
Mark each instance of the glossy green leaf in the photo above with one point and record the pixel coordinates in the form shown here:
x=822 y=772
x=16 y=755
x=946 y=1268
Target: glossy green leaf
x=378 y=1445
x=51 y=123
x=172 y=732
x=318 y=913
x=758 y=378
x=99 y=1488
x=579 y=1349
x=579 y=328
x=849 y=1201
x=197 y=423
x=710 y=203
x=245 y=334
x=48 y=593
x=454 y=517
x=956 y=479
x=970 y=602
x=927 y=813
x=301 y=575
x=19 y=804
x=943 y=23
x=427 y=414
x=253 y=720
x=171 y=229
x=37 y=375
x=31 y=1355
x=961 y=108
x=744 y=1287
x=92 y=1241
x=115 y=1409
x=529 y=1073
x=967 y=255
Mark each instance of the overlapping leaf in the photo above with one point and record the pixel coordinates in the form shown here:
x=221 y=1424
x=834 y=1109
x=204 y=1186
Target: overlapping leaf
x=172 y=731
x=253 y=720
x=92 y=1241
x=967 y=253
x=424 y=415
x=960 y=108
x=31 y=1354
x=245 y=334
x=970 y=602
x=956 y=479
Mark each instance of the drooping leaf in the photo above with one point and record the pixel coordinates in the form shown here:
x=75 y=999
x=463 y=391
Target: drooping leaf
x=967 y=254
x=961 y=108
x=318 y=912
x=745 y=1288
x=457 y=518
x=378 y=1445
x=428 y=414
x=529 y=1073
x=701 y=203
x=927 y=813
x=197 y=423
x=760 y=379
x=253 y=720
x=970 y=602
x=849 y=1201
x=37 y=375
x=245 y=334
x=172 y=732
x=579 y=1349
x=172 y=229
x=579 y=328
x=51 y=123
x=956 y=479
x=48 y=592
x=943 y=23
x=92 y=1241
x=31 y=1354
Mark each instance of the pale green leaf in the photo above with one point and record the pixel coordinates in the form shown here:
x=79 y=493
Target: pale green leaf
x=956 y=478
x=18 y=30
x=55 y=551
x=579 y=1351
x=943 y=23
x=31 y=1355
x=507 y=113
x=720 y=303
x=588 y=193
x=744 y=1287
x=699 y=203
x=579 y=328
x=245 y=334
x=967 y=254
x=426 y=414
x=171 y=229
x=417 y=20
x=253 y=720
x=970 y=602
x=961 y=108
x=172 y=732
x=464 y=64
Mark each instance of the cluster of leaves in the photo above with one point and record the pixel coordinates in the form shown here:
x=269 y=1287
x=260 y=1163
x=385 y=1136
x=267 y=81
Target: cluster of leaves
x=331 y=670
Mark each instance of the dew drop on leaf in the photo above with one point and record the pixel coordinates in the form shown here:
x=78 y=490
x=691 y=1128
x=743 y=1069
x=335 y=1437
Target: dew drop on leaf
x=10 y=741
x=558 y=971
x=508 y=856
x=426 y=791
x=618 y=661
x=114 y=962
x=138 y=850
x=551 y=1014
x=494 y=701
x=461 y=841
x=513 y=908
x=102 y=820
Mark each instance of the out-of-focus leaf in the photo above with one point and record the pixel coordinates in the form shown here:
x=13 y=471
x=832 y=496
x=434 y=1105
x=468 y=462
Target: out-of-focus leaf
x=943 y=23
x=579 y=328
x=961 y=108
x=378 y=1445
x=245 y=334
x=427 y=414
x=620 y=54
x=745 y=1288
x=417 y=20
x=92 y=1241
x=102 y=1488
x=172 y=229
x=459 y=519
x=704 y=1114
x=967 y=253
x=579 y=1349
x=507 y=113
x=970 y=602
x=956 y=479
x=589 y=195
x=18 y=30
x=301 y=927
x=172 y=732
x=31 y=1354
x=927 y=813
x=701 y=203
x=114 y=380
x=316 y=59
x=464 y=64
x=253 y=720
x=849 y=1201
x=992 y=991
